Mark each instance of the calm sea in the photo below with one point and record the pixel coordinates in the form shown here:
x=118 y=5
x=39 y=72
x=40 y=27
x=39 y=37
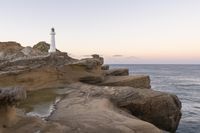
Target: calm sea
x=182 y=80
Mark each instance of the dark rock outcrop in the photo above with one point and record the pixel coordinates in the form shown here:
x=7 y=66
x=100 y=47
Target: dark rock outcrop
x=11 y=95
x=43 y=47
x=117 y=72
x=91 y=79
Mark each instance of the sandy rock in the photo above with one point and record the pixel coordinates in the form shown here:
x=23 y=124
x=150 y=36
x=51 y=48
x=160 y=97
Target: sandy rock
x=95 y=103
x=139 y=81
x=43 y=47
x=91 y=79
x=117 y=72
x=35 y=125
x=87 y=110
x=11 y=95
x=96 y=56
x=89 y=63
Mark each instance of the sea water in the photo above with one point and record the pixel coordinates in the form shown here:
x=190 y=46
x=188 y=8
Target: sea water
x=182 y=80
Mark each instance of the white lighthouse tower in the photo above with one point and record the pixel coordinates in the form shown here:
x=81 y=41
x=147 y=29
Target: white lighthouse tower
x=53 y=44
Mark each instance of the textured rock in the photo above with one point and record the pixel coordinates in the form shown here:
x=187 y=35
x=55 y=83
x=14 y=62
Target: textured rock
x=87 y=104
x=117 y=72
x=139 y=81
x=9 y=50
x=91 y=79
x=89 y=63
x=42 y=46
x=11 y=95
x=35 y=125
x=105 y=67
x=86 y=109
x=96 y=56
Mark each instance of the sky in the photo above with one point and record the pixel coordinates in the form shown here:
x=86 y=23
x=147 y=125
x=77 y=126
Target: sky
x=122 y=31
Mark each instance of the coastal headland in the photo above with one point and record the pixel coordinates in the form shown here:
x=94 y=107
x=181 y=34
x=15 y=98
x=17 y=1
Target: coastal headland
x=95 y=99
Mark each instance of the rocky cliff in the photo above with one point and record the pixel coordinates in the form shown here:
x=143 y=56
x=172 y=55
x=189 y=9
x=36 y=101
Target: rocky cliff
x=96 y=99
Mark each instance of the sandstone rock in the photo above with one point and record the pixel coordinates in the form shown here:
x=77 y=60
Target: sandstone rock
x=35 y=125
x=105 y=67
x=89 y=63
x=117 y=72
x=96 y=56
x=139 y=81
x=87 y=110
x=28 y=51
x=91 y=105
x=9 y=50
x=11 y=95
x=8 y=98
x=92 y=79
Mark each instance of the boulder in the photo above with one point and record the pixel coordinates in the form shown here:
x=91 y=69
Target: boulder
x=137 y=81
x=96 y=56
x=10 y=50
x=117 y=72
x=105 y=67
x=89 y=63
x=86 y=109
x=11 y=95
x=43 y=47
x=88 y=106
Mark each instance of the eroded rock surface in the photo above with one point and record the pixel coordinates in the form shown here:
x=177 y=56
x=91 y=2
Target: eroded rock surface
x=117 y=72
x=136 y=81
x=89 y=109
x=93 y=108
x=118 y=104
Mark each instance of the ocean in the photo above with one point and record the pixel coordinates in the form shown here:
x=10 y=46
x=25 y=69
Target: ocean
x=182 y=80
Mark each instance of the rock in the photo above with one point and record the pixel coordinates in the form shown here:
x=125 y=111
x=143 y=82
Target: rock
x=43 y=47
x=92 y=79
x=8 y=98
x=28 y=51
x=35 y=125
x=89 y=63
x=96 y=56
x=105 y=67
x=11 y=95
x=91 y=105
x=161 y=109
x=10 y=50
x=139 y=81
x=117 y=72
x=86 y=109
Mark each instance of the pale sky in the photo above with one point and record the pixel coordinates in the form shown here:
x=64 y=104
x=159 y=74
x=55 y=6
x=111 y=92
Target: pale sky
x=122 y=31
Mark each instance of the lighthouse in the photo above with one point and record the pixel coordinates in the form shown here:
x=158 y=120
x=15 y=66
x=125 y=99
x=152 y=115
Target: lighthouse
x=53 y=44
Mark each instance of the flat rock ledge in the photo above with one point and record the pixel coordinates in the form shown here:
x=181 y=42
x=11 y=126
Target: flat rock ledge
x=117 y=72
x=136 y=81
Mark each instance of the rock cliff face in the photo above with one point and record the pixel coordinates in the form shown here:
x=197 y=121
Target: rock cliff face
x=115 y=102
